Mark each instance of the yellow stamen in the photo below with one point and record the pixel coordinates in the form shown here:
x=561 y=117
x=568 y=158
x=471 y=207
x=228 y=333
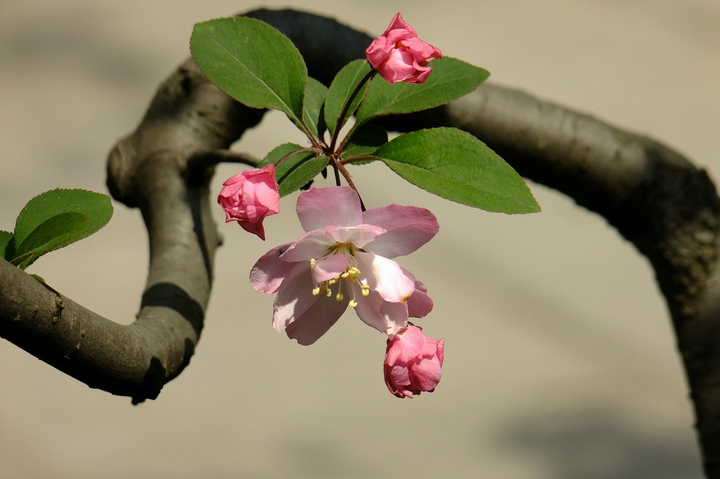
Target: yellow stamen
x=351 y=273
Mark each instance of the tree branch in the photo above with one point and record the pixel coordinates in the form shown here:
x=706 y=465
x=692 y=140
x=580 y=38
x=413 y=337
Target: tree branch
x=656 y=198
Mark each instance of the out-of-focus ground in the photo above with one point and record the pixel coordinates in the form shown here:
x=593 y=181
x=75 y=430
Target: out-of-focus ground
x=560 y=360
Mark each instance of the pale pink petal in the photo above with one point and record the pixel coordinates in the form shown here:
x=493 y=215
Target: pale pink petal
x=406 y=229
x=419 y=304
x=294 y=297
x=320 y=207
x=269 y=271
x=359 y=235
x=316 y=320
x=388 y=318
x=316 y=244
x=313 y=245
x=329 y=268
x=385 y=276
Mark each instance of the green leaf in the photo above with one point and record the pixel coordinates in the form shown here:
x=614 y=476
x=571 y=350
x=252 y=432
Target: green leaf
x=450 y=79
x=54 y=233
x=252 y=62
x=457 y=166
x=57 y=218
x=5 y=238
x=364 y=142
x=342 y=87
x=297 y=170
x=315 y=94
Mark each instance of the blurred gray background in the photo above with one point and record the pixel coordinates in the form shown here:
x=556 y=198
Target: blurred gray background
x=560 y=360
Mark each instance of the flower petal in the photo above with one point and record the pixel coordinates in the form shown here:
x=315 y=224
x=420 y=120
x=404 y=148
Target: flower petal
x=294 y=297
x=385 y=276
x=269 y=271
x=427 y=372
x=419 y=304
x=314 y=244
x=359 y=235
x=320 y=207
x=315 y=322
x=407 y=228
x=399 y=27
x=373 y=310
x=329 y=268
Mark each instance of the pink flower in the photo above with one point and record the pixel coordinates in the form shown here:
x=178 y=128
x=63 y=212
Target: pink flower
x=344 y=260
x=399 y=55
x=413 y=362
x=249 y=197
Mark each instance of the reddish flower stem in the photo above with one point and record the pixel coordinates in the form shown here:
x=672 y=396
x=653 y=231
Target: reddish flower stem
x=339 y=123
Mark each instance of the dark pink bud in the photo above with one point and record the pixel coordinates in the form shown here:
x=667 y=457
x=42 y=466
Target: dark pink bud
x=249 y=197
x=413 y=362
x=399 y=55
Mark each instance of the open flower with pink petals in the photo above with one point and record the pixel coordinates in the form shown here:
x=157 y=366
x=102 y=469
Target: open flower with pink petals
x=345 y=259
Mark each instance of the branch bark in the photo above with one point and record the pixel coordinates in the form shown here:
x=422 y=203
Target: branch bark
x=658 y=200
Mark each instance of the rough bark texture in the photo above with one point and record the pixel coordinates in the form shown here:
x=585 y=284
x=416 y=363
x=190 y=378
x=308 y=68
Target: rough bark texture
x=655 y=198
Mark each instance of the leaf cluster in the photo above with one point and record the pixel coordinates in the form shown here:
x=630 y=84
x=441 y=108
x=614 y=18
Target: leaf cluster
x=260 y=67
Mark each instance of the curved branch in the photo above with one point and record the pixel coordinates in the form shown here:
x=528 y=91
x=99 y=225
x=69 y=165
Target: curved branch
x=668 y=208
x=657 y=199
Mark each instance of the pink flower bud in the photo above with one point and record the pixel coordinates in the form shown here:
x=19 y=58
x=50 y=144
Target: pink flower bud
x=399 y=55
x=413 y=362
x=249 y=197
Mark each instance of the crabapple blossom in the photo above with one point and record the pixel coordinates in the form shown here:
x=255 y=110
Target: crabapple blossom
x=249 y=197
x=399 y=55
x=344 y=259
x=413 y=362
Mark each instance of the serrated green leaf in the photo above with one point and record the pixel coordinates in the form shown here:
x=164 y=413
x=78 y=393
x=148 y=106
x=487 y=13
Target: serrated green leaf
x=54 y=233
x=6 y=238
x=297 y=170
x=450 y=79
x=365 y=141
x=313 y=117
x=252 y=62
x=457 y=166
x=342 y=87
